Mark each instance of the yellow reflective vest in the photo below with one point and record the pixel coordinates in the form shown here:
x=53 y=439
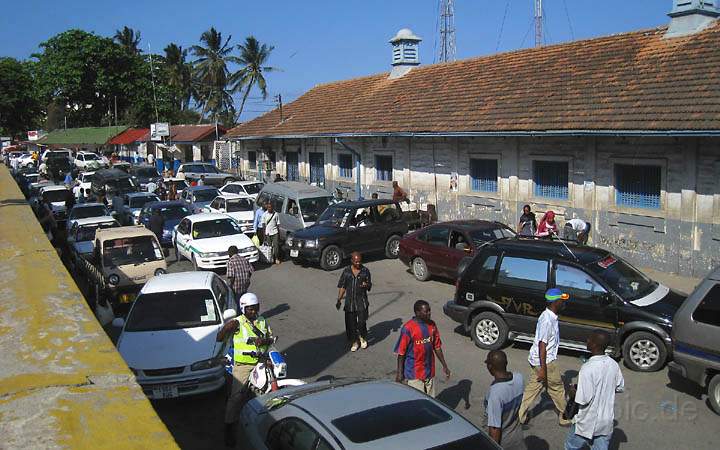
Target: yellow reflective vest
x=241 y=336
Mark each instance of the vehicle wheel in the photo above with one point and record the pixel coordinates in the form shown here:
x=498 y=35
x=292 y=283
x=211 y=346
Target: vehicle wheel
x=392 y=247
x=420 y=270
x=194 y=263
x=714 y=393
x=228 y=180
x=489 y=331
x=331 y=258
x=644 y=352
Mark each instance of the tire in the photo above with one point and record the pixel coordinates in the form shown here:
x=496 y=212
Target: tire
x=489 y=331
x=331 y=258
x=228 y=180
x=714 y=393
x=392 y=247
x=644 y=352
x=420 y=269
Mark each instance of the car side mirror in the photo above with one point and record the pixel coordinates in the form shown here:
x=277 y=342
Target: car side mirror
x=229 y=314
x=118 y=322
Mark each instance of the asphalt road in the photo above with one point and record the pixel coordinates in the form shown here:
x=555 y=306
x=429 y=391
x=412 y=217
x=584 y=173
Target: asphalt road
x=299 y=303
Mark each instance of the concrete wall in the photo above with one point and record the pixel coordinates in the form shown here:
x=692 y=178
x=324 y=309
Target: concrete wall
x=682 y=236
x=62 y=383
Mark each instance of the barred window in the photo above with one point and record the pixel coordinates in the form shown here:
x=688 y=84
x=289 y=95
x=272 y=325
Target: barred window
x=637 y=186
x=551 y=179
x=383 y=168
x=252 y=160
x=292 y=172
x=345 y=163
x=483 y=175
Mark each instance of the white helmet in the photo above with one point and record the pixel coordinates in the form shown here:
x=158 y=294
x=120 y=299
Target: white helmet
x=248 y=299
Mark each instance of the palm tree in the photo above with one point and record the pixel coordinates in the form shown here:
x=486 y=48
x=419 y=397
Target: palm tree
x=179 y=74
x=128 y=38
x=253 y=57
x=211 y=70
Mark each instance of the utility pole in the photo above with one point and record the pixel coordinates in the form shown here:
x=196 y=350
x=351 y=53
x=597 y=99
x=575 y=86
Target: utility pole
x=152 y=78
x=538 y=23
x=116 y=110
x=278 y=99
x=448 y=49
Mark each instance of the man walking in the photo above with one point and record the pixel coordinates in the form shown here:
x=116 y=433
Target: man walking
x=600 y=378
x=239 y=271
x=502 y=403
x=258 y=223
x=271 y=223
x=354 y=284
x=544 y=371
x=250 y=332
x=416 y=349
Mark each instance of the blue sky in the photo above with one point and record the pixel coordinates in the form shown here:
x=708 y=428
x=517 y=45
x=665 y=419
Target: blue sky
x=317 y=41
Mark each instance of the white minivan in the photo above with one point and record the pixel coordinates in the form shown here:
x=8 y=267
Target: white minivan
x=298 y=204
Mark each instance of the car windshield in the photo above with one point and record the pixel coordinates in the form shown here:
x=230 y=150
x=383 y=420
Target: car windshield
x=174 y=212
x=59 y=195
x=133 y=250
x=88 y=211
x=253 y=188
x=335 y=215
x=623 y=278
x=121 y=185
x=86 y=177
x=205 y=195
x=91 y=157
x=146 y=172
x=87 y=232
x=389 y=420
x=239 y=205
x=173 y=310
x=482 y=236
x=139 y=202
x=312 y=208
x=215 y=228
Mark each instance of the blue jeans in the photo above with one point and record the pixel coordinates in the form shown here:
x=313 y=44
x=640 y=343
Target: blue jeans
x=575 y=442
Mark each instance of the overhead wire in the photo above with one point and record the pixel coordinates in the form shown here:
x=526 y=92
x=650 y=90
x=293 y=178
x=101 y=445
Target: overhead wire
x=567 y=14
x=502 y=25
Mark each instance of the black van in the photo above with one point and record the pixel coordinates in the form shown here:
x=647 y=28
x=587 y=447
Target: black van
x=500 y=295
x=112 y=181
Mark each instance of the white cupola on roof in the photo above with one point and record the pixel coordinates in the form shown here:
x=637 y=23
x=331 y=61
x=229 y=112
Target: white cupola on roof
x=405 y=52
x=692 y=16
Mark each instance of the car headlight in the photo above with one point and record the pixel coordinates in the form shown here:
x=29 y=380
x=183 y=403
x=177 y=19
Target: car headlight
x=311 y=244
x=114 y=280
x=160 y=272
x=210 y=255
x=248 y=249
x=208 y=363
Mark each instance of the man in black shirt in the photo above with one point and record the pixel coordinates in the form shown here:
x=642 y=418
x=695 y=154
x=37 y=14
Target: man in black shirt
x=157 y=222
x=354 y=284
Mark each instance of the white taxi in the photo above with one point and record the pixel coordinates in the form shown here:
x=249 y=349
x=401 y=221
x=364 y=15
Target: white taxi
x=237 y=206
x=205 y=238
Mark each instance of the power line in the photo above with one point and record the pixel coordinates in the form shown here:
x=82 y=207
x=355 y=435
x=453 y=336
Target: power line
x=502 y=25
x=567 y=14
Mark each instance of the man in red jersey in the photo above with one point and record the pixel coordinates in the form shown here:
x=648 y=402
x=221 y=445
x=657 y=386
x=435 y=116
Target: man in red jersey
x=416 y=348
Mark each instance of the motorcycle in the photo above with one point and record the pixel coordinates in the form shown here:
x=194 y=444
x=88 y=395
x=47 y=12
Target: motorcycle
x=270 y=373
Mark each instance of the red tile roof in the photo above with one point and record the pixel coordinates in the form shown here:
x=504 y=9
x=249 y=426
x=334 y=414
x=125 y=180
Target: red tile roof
x=129 y=136
x=190 y=133
x=632 y=81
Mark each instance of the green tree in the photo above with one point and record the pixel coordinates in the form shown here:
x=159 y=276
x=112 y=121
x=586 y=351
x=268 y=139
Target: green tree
x=19 y=108
x=179 y=75
x=253 y=58
x=212 y=73
x=129 y=39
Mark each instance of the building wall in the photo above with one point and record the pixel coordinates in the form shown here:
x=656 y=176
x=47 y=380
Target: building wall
x=681 y=236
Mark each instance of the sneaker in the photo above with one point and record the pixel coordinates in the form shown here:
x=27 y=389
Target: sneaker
x=354 y=347
x=363 y=343
x=564 y=422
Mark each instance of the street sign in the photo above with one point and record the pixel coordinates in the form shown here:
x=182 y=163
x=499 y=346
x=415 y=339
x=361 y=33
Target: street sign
x=34 y=135
x=158 y=130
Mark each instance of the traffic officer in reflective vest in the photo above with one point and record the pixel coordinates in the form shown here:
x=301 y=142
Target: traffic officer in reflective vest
x=250 y=333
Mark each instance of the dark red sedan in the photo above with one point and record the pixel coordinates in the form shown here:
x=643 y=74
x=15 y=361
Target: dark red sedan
x=437 y=249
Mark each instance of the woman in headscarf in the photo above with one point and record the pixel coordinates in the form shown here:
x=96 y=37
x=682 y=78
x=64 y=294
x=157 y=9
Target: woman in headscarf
x=547 y=226
x=527 y=224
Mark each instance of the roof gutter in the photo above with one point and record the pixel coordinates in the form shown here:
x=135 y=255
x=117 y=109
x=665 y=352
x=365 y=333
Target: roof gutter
x=611 y=133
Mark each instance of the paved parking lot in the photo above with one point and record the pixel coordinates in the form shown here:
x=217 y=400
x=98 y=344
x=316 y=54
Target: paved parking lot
x=299 y=304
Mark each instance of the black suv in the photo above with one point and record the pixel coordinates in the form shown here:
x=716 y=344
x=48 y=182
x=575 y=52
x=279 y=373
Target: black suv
x=500 y=294
x=364 y=226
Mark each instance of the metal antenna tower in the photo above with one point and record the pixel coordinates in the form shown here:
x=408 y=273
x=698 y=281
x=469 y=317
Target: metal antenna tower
x=448 y=50
x=538 y=23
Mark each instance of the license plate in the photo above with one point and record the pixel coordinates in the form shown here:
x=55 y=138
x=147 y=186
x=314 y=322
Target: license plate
x=294 y=253
x=165 y=391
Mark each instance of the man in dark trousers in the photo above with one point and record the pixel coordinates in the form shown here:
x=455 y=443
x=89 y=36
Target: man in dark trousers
x=354 y=284
x=239 y=272
x=502 y=402
x=157 y=222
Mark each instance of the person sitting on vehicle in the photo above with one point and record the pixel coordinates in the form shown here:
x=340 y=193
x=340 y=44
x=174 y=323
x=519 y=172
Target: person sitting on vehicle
x=250 y=333
x=201 y=181
x=547 y=227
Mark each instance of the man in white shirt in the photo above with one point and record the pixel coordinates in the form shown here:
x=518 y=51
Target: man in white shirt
x=270 y=224
x=600 y=378
x=579 y=229
x=544 y=371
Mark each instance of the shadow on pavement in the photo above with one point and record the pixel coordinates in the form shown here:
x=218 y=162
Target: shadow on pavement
x=685 y=386
x=618 y=437
x=536 y=443
x=378 y=332
x=275 y=310
x=454 y=394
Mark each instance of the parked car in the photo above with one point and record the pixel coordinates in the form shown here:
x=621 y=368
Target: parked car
x=439 y=248
x=250 y=188
x=144 y=174
x=57 y=166
x=111 y=182
x=239 y=207
x=67 y=153
x=168 y=338
x=83 y=181
x=298 y=205
x=696 y=338
x=25 y=160
x=88 y=161
x=365 y=226
x=356 y=414
x=213 y=176
x=501 y=293
x=204 y=239
x=133 y=203
x=85 y=211
x=172 y=212
x=57 y=196
x=198 y=197
x=81 y=235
